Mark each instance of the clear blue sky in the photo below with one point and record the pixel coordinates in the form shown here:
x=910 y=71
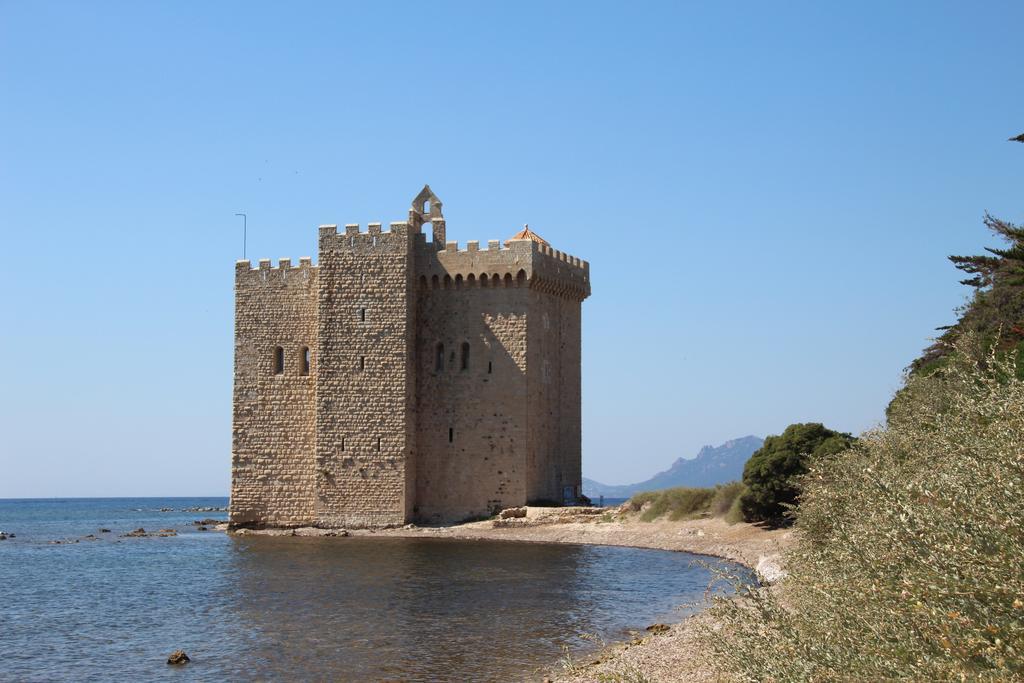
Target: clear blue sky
x=766 y=193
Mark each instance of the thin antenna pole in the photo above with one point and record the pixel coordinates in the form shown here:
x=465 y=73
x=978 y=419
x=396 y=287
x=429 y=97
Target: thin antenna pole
x=245 y=229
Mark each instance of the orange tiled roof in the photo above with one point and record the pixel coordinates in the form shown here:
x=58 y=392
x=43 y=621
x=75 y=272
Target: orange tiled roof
x=527 y=234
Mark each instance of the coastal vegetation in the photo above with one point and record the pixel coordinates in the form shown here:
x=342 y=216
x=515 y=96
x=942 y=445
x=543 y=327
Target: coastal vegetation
x=689 y=502
x=994 y=314
x=770 y=486
x=771 y=478
x=911 y=555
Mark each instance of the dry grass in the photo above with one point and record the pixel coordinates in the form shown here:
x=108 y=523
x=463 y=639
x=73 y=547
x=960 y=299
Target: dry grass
x=689 y=503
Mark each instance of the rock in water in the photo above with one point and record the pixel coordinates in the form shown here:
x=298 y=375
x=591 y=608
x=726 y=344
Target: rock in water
x=178 y=657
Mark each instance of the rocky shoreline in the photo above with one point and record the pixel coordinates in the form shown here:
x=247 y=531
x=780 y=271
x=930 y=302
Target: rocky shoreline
x=655 y=653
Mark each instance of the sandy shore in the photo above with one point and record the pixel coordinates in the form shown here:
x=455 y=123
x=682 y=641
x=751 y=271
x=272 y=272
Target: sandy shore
x=668 y=655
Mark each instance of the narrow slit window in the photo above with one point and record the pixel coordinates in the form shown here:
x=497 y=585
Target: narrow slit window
x=465 y=356
x=304 y=361
x=490 y=365
x=278 y=360
x=362 y=315
x=378 y=443
x=362 y=363
x=439 y=358
x=342 y=444
x=451 y=434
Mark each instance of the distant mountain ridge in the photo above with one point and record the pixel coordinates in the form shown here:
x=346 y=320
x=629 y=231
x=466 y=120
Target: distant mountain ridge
x=713 y=465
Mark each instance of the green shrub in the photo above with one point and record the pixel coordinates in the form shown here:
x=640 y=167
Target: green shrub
x=772 y=475
x=638 y=499
x=910 y=559
x=686 y=502
x=725 y=498
x=678 y=503
x=735 y=513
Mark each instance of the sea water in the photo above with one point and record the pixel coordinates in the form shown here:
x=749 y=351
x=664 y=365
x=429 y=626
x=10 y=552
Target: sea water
x=290 y=608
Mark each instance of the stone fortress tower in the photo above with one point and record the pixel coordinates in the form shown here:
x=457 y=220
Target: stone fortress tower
x=404 y=380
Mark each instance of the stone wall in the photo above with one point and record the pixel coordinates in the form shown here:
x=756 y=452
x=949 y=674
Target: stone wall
x=471 y=429
x=488 y=440
x=365 y=418
x=554 y=450
x=273 y=434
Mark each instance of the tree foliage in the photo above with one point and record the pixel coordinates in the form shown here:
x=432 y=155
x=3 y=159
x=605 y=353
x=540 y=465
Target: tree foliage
x=772 y=475
x=995 y=310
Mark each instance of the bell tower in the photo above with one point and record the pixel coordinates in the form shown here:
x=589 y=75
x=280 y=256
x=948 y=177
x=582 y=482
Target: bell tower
x=426 y=208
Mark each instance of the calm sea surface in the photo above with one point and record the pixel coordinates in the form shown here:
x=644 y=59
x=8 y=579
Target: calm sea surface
x=357 y=608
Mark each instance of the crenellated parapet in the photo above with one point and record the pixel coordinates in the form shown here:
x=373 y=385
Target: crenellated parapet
x=265 y=273
x=374 y=240
x=518 y=263
x=557 y=272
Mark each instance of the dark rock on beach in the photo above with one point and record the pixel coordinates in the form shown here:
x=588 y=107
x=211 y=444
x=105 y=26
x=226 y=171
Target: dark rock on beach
x=139 y=533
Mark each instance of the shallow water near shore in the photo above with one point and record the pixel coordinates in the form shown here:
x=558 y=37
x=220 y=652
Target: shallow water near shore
x=276 y=608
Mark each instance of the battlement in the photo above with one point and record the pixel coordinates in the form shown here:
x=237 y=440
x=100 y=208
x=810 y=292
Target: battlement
x=564 y=257
x=352 y=229
x=374 y=237
x=560 y=273
x=472 y=246
x=517 y=262
x=244 y=266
